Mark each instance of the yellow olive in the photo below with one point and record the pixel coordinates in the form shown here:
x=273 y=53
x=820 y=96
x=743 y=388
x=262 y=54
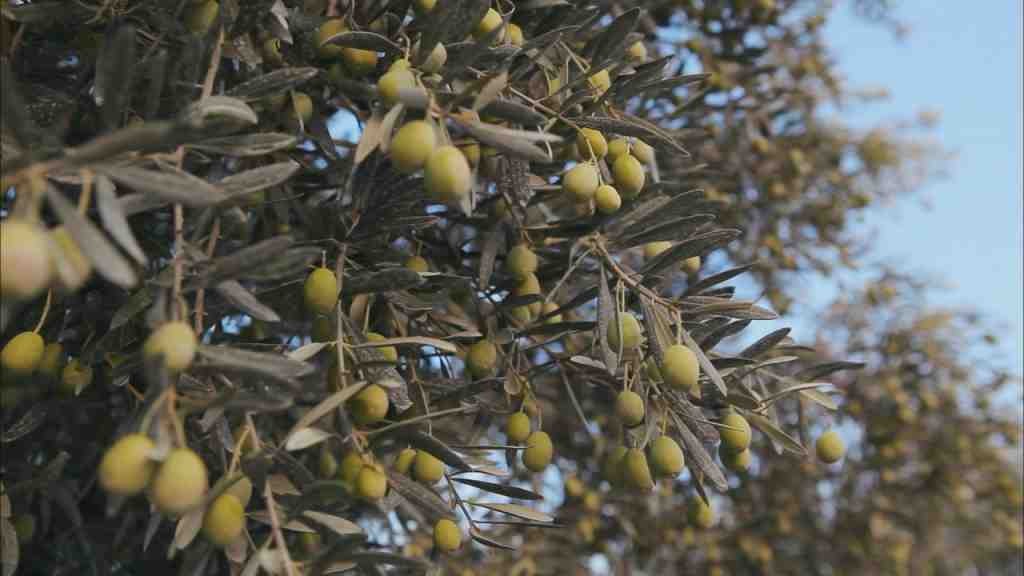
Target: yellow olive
x=327 y=465
x=666 y=457
x=199 y=18
x=487 y=24
x=435 y=60
x=412 y=145
x=629 y=175
x=272 y=52
x=629 y=407
x=637 y=51
x=371 y=483
x=300 y=107
x=539 y=452
x=574 y=487
x=447 y=536
x=691 y=265
x=472 y=153
x=735 y=440
x=607 y=199
x=736 y=461
x=351 y=464
x=581 y=181
x=515 y=35
x=643 y=152
x=23 y=354
x=53 y=360
x=75 y=377
x=242 y=490
x=326 y=30
x=320 y=291
x=393 y=81
x=481 y=359
x=423 y=6
x=601 y=82
x=447 y=175
x=370 y=405
x=126 y=469
x=613 y=469
x=404 y=461
x=517 y=428
x=418 y=264
x=25 y=265
x=638 y=474
x=390 y=352
x=521 y=261
x=427 y=468
x=680 y=367
x=590 y=141
x=830 y=447
x=359 y=62
x=224 y=520
x=700 y=513
x=629 y=326
x=548 y=308
x=180 y=482
x=527 y=286
x=522 y=314
x=654 y=249
x=176 y=342
x=617 y=147
x=592 y=502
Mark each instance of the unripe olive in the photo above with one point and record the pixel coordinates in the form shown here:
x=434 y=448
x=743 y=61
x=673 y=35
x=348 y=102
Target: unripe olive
x=327 y=465
x=23 y=354
x=643 y=152
x=427 y=468
x=53 y=360
x=180 y=482
x=629 y=407
x=574 y=487
x=700 y=513
x=393 y=81
x=25 y=527
x=617 y=147
x=242 y=490
x=601 y=81
x=581 y=181
x=517 y=428
x=323 y=329
x=359 y=62
x=592 y=502
x=351 y=464
x=25 y=265
x=515 y=35
x=481 y=359
x=638 y=474
x=735 y=440
x=539 y=452
x=522 y=314
x=654 y=249
x=607 y=199
x=299 y=107
x=666 y=457
x=521 y=261
x=629 y=327
x=830 y=447
x=691 y=265
x=613 y=468
x=548 y=308
x=390 y=352
x=405 y=460
x=176 y=342
x=447 y=175
x=370 y=405
x=423 y=6
x=629 y=175
x=320 y=292
x=528 y=285
x=75 y=377
x=736 y=461
x=472 y=153
x=487 y=24
x=652 y=370
x=199 y=18
x=272 y=52
x=371 y=483
x=224 y=520
x=679 y=367
x=637 y=51
x=126 y=469
x=435 y=60
x=447 y=536
x=590 y=141
x=326 y=30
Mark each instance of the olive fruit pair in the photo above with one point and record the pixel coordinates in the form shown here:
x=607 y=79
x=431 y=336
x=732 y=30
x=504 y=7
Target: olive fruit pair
x=177 y=485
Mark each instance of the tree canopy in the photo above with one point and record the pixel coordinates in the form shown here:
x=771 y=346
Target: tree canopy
x=496 y=332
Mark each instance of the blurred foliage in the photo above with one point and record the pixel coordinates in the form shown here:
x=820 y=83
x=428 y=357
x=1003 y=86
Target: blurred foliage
x=178 y=158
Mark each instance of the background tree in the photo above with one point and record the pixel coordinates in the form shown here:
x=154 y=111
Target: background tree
x=314 y=355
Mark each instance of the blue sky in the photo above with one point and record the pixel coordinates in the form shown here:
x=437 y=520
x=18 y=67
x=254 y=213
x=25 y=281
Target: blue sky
x=964 y=60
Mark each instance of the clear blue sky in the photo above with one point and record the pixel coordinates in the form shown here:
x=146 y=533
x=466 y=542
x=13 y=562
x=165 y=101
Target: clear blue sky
x=963 y=59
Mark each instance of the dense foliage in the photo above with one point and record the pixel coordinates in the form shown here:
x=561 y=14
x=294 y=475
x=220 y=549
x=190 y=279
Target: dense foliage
x=495 y=332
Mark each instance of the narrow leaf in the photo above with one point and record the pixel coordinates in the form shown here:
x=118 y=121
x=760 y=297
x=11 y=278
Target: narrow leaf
x=108 y=262
x=114 y=220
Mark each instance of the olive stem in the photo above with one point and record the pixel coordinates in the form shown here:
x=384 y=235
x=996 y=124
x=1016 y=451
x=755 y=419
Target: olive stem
x=46 y=310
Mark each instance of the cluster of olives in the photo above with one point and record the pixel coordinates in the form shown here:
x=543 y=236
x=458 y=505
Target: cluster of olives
x=625 y=157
